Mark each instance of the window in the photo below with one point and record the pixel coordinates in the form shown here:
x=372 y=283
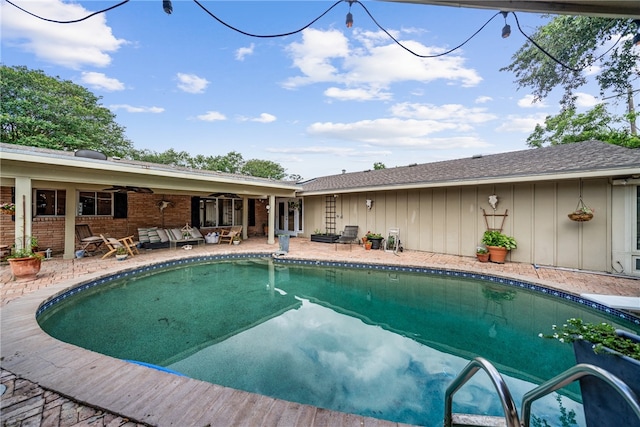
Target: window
x=50 y=202
x=219 y=212
x=95 y=203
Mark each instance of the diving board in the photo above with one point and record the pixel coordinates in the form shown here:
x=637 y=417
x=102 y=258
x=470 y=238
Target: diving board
x=615 y=301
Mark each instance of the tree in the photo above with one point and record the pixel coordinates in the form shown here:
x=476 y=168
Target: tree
x=378 y=165
x=568 y=126
x=294 y=177
x=264 y=169
x=580 y=44
x=42 y=111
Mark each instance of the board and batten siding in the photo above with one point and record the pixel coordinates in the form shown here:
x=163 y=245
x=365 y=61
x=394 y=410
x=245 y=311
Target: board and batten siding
x=450 y=220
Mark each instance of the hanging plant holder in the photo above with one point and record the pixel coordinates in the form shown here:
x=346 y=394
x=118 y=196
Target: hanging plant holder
x=582 y=213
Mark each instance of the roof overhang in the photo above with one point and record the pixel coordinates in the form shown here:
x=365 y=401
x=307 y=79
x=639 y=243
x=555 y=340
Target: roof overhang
x=604 y=8
x=612 y=174
x=53 y=169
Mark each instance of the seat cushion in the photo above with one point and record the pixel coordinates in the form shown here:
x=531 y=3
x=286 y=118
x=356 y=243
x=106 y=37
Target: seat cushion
x=143 y=235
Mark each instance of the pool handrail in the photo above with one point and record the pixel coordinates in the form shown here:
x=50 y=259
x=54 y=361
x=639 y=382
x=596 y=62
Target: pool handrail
x=572 y=374
x=508 y=405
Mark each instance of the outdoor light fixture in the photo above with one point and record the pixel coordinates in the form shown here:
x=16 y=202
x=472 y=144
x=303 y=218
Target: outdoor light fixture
x=166 y=5
x=369 y=204
x=349 y=20
x=506 y=30
x=349 y=16
x=636 y=38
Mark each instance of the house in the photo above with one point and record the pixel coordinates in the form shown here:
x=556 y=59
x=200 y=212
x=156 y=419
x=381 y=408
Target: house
x=442 y=207
x=445 y=207
x=116 y=197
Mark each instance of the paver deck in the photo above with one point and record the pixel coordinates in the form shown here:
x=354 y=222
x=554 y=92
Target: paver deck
x=50 y=383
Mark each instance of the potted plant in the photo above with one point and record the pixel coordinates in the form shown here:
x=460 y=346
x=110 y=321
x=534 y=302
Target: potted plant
x=33 y=242
x=236 y=239
x=319 y=236
x=582 y=213
x=8 y=208
x=367 y=244
x=375 y=239
x=121 y=253
x=24 y=263
x=613 y=350
x=482 y=254
x=498 y=245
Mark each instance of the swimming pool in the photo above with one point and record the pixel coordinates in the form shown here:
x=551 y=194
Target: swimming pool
x=395 y=329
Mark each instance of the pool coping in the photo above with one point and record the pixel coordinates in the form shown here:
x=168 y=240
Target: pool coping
x=155 y=397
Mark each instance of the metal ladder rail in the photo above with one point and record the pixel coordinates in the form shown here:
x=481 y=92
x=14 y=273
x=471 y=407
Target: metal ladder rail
x=508 y=405
x=569 y=376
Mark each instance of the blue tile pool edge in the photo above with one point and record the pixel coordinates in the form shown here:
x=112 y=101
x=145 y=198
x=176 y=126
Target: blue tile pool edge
x=519 y=284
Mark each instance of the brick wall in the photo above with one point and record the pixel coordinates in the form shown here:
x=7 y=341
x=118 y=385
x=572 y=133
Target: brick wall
x=142 y=212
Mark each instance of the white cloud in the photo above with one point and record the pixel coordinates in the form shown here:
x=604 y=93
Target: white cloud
x=365 y=69
x=191 y=83
x=586 y=100
x=446 y=113
x=357 y=94
x=528 y=101
x=131 y=109
x=211 y=116
x=523 y=124
x=483 y=99
x=244 y=51
x=394 y=132
x=86 y=43
x=264 y=118
x=101 y=81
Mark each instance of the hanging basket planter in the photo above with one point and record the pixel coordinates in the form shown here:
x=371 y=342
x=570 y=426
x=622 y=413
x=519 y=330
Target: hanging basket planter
x=582 y=213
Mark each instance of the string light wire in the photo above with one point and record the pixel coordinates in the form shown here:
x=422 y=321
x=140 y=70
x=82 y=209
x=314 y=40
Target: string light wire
x=55 y=21
x=266 y=35
x=414 y=53
x=231 y=27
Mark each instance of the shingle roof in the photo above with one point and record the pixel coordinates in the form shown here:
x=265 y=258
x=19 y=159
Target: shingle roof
x=567 y=158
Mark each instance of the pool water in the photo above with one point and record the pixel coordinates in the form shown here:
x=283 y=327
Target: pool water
x=375 y=343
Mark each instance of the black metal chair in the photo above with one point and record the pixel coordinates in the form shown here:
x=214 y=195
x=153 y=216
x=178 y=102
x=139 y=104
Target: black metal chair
x=349 y=235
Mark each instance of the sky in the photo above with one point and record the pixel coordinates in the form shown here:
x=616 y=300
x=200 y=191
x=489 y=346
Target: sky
x=317 y=102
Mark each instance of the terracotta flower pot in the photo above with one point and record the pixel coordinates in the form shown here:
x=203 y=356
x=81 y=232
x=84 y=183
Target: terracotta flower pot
x=483 y=257
x=497 y=254
x=25 y=268
x=367 y=245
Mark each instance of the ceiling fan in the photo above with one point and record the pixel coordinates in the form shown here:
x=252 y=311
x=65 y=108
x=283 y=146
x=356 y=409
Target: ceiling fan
x=129 y=189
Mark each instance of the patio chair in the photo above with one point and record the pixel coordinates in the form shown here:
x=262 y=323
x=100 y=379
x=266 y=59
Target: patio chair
x=228 y=235
x=113 y=244
x=89 y=242
x=349 y=235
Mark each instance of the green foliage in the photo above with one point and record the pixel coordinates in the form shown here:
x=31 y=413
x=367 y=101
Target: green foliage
x=263 y=168
x=121 y=250
x=576 y=41
x=482 y=251
x=23 y=253
x=371 y=235
x=600 y=334
x=585 y=44
x=378 y=166
x=42 y=111
x=568 y=126
x=496 y=238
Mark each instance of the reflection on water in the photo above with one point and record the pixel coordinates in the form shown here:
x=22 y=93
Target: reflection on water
x=368 y=342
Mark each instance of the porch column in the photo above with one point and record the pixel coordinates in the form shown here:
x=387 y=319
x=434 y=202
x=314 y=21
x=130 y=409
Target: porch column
x=245 y=217
x=22 y=226
x=70 y=222
x=272 y=220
